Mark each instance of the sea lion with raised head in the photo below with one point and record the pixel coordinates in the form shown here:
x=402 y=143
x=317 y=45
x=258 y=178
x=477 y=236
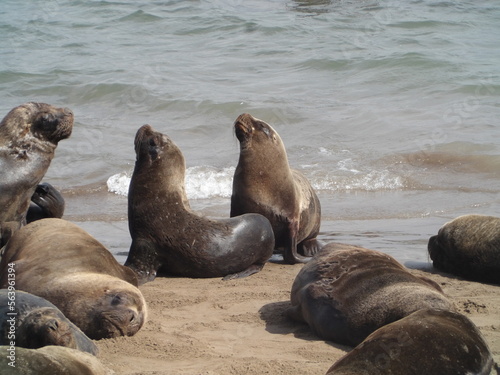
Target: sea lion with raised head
x=468 y=246
x=32 y=322
x=46 y=202
x=428 y=341
x=29 y=135
x=346 y=292
x=264 y=183
x=49 y=360
x=169 y=237
x=59 y=261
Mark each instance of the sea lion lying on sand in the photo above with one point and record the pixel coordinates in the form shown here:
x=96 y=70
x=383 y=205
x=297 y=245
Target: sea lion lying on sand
x=468 y=246
x=37 y=323
x=49 y=360
x=430 y=342
x=59 y=261
x=346 y=292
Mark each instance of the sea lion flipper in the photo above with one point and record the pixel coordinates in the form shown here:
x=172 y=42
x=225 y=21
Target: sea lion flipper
x=290 y=254
x=309 y=247
x=254 y=268
x=7 y=229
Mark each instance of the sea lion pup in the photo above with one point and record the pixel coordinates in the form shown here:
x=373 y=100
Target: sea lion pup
x=346 y=292
x=46 y=202
x=430 y=342
x=59 y=261
x=37 y=323
x=49 y=360
x=468 y=246
x=29 y=135
x=168 y=236
x=264 y=183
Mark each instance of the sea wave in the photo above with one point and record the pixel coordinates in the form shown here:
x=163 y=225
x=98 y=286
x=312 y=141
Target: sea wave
x=201 y=182
x=204 y=182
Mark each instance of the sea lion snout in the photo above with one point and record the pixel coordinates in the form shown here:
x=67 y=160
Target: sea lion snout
x=67 y=111
x=243 y=127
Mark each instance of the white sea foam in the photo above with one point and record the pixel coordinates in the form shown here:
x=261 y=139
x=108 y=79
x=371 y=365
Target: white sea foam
x=201 y=182
x=204 y=182
x=119 y=183
x=372 y=181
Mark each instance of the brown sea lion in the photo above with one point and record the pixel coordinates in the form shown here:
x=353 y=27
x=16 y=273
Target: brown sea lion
x=468 y=246
x=59 y=261
x=32 y=322
x=430 y=342
x=46 y=202
x=346 y=292
x=168 y=236
x=29 y=135
x=49 y=360
x=264 y=183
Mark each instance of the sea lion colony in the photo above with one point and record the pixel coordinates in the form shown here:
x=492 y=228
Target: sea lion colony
x=334 y=300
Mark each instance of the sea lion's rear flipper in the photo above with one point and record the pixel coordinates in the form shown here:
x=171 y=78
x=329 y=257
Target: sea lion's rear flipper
x=290 y=254
x=254 y=268
x=309 y=247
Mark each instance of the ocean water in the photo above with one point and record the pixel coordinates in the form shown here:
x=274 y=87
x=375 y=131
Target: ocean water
x=390 y=108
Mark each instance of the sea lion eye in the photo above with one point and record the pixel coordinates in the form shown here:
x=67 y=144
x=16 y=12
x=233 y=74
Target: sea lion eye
x=266 y=130
x=116 y=300
x=46 y=121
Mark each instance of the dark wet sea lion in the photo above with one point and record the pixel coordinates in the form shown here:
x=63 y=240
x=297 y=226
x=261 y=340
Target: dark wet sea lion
x=29 y=135
x=346 y=292
x=168 y=236
x=59 y=261
x=33 y=322
x=430 y=342
x=468 y=246
x=264 y=183
x=50 y=360
x=46 y=202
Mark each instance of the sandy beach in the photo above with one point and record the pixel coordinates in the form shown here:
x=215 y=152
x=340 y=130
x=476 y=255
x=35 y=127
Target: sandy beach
x=212 y=327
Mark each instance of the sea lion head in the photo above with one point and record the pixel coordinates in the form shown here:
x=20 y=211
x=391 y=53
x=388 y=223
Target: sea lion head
x=39 y=120
x=159 y=169
x=152 y=148
x=45 y=326
x=254 y=134
x=120 y=311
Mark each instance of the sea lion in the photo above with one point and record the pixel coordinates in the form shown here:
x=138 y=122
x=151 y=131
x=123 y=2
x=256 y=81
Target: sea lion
x=468 y=246
x=29 y=135
x=59 y=261
x=33 y=322
x=49 y=360
x=264 y=183
x=168 y=236
x=430 y=342
x=46 y=202
x=346 y=292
